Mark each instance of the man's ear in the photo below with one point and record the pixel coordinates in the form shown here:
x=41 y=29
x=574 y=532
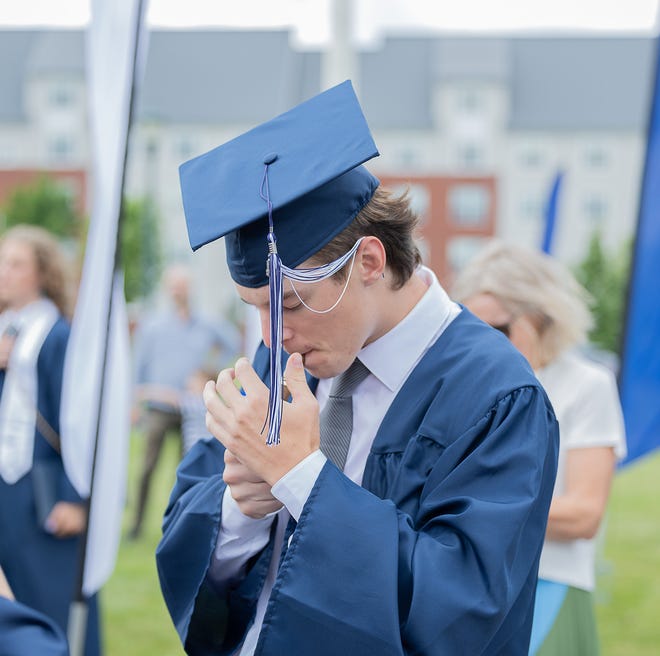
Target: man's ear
x=371 y=260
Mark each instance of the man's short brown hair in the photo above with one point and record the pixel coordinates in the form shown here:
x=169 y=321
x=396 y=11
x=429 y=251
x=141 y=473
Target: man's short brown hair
x=390 y=218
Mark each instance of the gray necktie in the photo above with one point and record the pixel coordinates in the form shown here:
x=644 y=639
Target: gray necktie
x=337 y=415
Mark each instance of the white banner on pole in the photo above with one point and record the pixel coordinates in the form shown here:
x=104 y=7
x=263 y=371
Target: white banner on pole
x=112 y=42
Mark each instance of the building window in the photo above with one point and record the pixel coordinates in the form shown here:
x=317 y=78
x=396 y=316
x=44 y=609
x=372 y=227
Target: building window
x=469 y=205
x=470 y=101
x=531 y=208
x=407 y=158
x=419 y=196
x=596 y=157
x=183 y=148
x=61 y=95
x=595 y=209
x=531 y=158
x=151 y=147
x=7 y=152
x=470 y=156
x=460 y=250
x=60 y=148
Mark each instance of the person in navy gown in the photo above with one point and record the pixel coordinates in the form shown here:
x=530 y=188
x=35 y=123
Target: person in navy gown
x=41 y=515
x=24 y=631
x=424 y=536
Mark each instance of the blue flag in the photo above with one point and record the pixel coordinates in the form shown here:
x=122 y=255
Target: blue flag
x=550 y=213
x=639 y=378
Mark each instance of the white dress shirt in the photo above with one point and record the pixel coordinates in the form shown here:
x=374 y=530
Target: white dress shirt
x=390 y=360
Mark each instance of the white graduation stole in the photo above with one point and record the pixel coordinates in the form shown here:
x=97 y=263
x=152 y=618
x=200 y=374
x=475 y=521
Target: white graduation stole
x=18 y=405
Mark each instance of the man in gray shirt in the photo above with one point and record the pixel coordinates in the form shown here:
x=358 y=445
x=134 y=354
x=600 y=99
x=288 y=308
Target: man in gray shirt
x=170 y=348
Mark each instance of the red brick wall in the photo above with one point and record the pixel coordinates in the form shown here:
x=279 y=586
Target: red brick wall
x=439 y=228
x=76 y=180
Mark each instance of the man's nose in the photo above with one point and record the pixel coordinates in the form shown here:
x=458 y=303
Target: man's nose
x=287 y=333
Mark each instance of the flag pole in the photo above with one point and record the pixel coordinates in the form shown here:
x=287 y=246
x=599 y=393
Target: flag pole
x=79 y=610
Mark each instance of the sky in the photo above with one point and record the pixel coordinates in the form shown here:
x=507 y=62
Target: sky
x=310 y=18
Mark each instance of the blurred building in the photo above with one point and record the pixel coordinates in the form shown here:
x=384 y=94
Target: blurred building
x=476 y=127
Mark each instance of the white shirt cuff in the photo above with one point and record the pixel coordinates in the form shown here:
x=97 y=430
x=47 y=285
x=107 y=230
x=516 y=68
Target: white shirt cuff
x=294 y=488
x=240 y=537
x=235 y=524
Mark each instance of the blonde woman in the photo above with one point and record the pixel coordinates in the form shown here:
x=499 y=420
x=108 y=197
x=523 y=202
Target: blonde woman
x=540 y=307
x=41 y=516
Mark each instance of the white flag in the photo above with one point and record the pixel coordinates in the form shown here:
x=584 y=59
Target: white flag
x=113 y=39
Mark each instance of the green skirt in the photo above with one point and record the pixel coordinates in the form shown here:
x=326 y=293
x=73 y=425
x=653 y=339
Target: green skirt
x=568 y=624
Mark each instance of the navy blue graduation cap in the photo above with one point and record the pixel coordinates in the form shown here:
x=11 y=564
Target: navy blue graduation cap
x=313 y=154
x=278 y=194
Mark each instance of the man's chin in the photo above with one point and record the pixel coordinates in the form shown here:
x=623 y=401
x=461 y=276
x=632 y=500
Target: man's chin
x=319 y=366
x=316 y=365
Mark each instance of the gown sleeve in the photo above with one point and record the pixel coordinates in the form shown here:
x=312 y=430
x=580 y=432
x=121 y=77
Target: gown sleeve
x=207 y=619
x=363 y=577
x=26 y=632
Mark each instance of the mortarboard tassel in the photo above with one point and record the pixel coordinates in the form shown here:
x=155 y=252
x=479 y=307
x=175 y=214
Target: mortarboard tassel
x=275 y=295
x=276 y=272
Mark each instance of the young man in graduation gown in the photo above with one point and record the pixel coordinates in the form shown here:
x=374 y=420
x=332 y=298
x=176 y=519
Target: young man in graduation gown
x=420 y=535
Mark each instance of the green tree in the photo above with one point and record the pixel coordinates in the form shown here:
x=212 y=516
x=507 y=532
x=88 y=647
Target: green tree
x=44 y=203
x=605 y=277
x=140 y=247
x=49 y=205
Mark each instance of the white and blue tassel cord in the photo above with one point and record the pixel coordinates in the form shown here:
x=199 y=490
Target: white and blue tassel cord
x=276 y=272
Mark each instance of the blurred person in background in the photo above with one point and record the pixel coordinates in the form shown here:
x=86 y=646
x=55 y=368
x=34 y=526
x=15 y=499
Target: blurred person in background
x=169 y=347
x=537 y=303
x=193 y=410
x=188 y=402
x=41 y=515
x=24 y=631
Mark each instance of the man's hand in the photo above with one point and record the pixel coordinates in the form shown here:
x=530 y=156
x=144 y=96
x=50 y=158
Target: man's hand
x=237 y=420
x=251 y=493
x=66 y=519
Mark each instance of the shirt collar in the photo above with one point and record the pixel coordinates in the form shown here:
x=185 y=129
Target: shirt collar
x=392 y=357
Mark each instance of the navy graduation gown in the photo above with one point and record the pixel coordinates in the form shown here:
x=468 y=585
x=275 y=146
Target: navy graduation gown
x=25 y=632
x=40 y=568
x=436 y=553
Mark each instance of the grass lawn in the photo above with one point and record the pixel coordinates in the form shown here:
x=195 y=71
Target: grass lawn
x=628 y=595
x=136 y=621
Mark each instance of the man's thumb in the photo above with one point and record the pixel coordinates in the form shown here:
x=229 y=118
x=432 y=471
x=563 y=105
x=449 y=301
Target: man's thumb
x=294 y=376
